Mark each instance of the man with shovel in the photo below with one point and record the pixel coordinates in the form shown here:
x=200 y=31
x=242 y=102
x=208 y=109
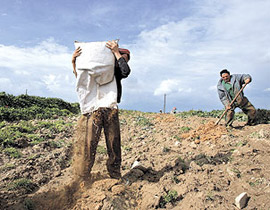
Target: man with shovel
x=230 y=89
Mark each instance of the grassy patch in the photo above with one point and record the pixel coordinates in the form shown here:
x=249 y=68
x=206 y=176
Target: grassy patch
x=185 y=129
x=28 y=204
x=237 y=172
x=143 y=121
x=12 y=152
x=22 y=183
x=241 y=143
x=35 y=139
x=7 y=167
x=166 y=149
x=127 y=148
x=56 y=144
x=33 y=156
x=256 y=182
x=170 y=197
x=2 y=124
x=101 y=150
x=177 y=138
x=240 y=116
x=25 y=107
x=25 y=133
x=209 y=196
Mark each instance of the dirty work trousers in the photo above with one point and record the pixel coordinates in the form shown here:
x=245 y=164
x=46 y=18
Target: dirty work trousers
x=247 y=108
x=88 y=135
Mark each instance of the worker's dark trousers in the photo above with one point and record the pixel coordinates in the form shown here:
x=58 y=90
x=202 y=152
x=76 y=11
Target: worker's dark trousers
x=247 y=108
x=88 y=135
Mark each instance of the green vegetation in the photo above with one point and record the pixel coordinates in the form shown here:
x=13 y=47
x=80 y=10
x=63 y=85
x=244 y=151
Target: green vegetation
x=101 y=150
x=22 y=183
x=143 y=121
x=7 y=166
x=33 y=156
x=241 y=143
x=209 y=196
x=34 y=139
x=127 y=148
x=240 y=116
x=185 y=129
x=199 y=113
x=26 y=133
x=56 y=144
x=177 y=138
x=2 y=124
x=170 y=197
x=25 y=107
x=256 y=182
x=263 y=115
x=237 y=172
x=165 y=149
x=28 y=204
x=12 y=152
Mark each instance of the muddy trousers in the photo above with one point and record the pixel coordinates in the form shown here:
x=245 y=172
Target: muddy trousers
x=247 y=108
x=89 y=131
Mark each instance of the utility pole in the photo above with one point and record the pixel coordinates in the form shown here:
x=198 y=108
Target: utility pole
x=164 y=107
x=26 y=92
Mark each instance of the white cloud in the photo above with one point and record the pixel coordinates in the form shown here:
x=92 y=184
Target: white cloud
x=186 y=90
x=44 y=69
x=267 y=89
x=213 y=88
x=192 y=51
x=166 y=87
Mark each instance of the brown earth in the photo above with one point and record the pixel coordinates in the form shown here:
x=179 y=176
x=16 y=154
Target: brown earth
x=186 y=163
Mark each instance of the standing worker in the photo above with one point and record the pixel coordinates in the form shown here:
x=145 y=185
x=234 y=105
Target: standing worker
x=228 y=87
x=100 y=110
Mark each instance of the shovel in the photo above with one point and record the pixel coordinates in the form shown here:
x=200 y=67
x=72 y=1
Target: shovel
x=231 y=103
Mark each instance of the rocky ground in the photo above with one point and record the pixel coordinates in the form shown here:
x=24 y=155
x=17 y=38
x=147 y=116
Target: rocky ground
x=182 y=163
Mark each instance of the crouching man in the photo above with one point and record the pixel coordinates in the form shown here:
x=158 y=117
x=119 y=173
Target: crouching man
x=228 y=86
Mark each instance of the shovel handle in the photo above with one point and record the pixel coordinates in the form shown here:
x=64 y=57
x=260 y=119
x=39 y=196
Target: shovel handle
x=231 y=103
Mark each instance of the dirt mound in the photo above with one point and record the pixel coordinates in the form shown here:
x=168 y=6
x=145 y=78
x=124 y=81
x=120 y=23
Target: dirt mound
x=206 y=132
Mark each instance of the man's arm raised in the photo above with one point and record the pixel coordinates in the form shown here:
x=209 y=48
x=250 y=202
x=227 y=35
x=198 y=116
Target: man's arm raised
x=76 y=53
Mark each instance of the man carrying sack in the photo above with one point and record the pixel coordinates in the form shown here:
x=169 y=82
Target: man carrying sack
x=228 y=87
x=99 y=68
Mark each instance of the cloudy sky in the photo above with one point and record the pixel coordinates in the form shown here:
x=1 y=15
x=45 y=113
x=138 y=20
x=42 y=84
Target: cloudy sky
x=178 y=48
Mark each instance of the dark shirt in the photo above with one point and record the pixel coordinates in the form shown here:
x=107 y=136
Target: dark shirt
x=121 y=71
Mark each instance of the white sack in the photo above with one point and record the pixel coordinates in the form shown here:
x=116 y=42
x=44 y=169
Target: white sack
x=97 y=59
x=96 y=85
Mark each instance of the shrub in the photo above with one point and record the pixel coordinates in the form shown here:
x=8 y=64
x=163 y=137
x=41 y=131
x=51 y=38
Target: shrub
x=170 y=197
x=12 y=152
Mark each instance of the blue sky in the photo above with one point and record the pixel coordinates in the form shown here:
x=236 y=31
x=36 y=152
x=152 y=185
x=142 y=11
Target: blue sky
x=177 y=47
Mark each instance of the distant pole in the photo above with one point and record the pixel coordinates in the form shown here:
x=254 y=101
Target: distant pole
x=26 y=92
x=164 y=107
